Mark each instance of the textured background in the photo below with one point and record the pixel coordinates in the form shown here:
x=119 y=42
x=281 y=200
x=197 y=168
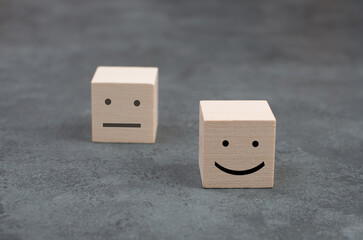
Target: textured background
x=304 y=57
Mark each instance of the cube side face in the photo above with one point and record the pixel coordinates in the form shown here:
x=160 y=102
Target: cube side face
x=240 y=164
x=156 y=106
x=201 y=143
x=122 y=121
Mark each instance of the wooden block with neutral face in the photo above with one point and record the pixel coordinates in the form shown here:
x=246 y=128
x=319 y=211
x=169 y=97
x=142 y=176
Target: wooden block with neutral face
x=125 y=104
x=236 y=144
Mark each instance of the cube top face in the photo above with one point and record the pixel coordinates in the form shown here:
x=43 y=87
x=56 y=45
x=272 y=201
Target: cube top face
x=135 y=75
x=236 y=148
x=257 y=110
x=124 y=111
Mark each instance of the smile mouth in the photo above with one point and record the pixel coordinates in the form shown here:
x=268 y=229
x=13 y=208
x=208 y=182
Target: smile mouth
x=123 y=125
x=243 y=172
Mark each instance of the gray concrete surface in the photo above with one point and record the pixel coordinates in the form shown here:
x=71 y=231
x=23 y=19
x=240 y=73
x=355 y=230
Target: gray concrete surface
x=304 y=57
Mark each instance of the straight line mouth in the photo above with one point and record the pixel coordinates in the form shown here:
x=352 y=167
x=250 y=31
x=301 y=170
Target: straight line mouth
x=123 y=125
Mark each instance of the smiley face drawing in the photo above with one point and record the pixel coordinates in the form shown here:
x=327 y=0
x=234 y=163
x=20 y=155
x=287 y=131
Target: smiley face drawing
x=124 y=104
x=236 y=144
x=225 y=143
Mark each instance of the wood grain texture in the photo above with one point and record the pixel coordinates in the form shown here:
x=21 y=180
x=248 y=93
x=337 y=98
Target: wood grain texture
x=240 y=123
x=122 y=121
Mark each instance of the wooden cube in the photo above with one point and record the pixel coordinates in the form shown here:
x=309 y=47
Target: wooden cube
x=125 y=104
x=236 y=144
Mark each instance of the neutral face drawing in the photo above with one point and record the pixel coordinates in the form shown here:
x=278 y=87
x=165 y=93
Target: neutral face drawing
x=125 y=125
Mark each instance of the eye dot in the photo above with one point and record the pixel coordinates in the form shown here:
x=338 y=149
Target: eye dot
x=225 y=143
x=137 y=103
x=108 y=101
x=255 y=143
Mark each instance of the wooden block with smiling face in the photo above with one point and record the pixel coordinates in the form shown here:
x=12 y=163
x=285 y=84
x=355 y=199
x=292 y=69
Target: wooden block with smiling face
x=125 y=104
x=236 y=144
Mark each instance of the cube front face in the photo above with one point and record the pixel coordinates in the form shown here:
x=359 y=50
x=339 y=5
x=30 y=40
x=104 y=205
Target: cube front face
x=236 y=153
x=124 y=112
